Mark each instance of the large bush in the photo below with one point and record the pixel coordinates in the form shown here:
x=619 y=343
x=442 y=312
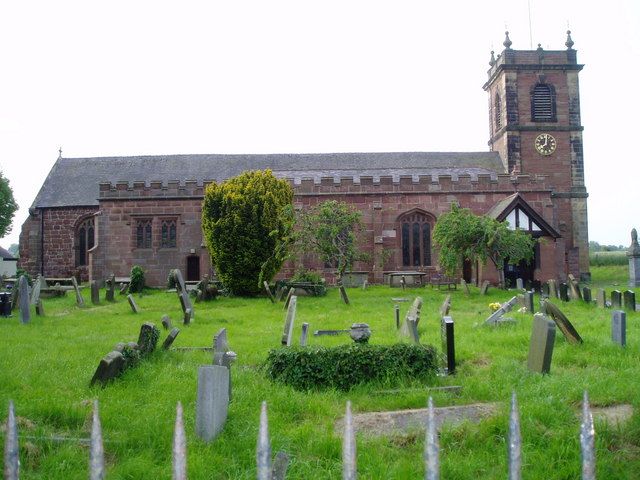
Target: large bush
x=247 y=223
x=137 y=279
x=346 y=366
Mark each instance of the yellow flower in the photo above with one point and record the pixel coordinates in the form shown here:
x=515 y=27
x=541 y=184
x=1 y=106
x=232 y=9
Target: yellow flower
x=494 y=306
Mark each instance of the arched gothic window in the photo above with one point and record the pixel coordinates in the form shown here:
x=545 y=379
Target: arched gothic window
x=415 y=237
x=143 y=233
x=168 y=233
x=84 y=240
x=543 y=103
x=497 y=111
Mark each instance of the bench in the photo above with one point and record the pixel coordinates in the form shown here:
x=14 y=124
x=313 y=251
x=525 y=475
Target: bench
x=440 y=280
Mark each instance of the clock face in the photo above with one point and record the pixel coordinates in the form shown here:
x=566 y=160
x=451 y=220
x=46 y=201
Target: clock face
x=545 y=144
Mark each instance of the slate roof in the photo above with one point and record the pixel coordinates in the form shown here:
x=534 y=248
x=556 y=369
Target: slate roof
x=75 y=181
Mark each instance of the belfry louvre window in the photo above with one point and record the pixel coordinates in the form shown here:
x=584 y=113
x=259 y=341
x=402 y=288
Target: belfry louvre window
x=543 y=103
x=415 y=231
x=143 y=233
x=168 y=234
x=84 y=241
x=497 y=112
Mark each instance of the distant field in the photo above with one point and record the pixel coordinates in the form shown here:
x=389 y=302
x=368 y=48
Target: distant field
x=599 y=259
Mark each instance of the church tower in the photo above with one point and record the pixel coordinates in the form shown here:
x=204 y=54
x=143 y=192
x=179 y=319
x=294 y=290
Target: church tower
x=534 y=118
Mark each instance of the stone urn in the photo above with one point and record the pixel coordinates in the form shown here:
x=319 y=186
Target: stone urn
x=360 y=332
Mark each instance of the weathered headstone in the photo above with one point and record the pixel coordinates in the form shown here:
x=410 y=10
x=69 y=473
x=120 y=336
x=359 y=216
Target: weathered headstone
x=111 y=289
x=288 y=299
x=288 y=322
x=541 y=344
x=170 y=338
x=222 y=356
x=553 y=288
x=563 y=323
x=148 y=338
x=586 y=294
x=343 y=294
x=448 y=345
x=280 y=465
x=465 y=286
x=445 y=307
x=629 y=298
x=166 y=322
x=279 y=292
x=485 y=287
x=40 y=308
x=360 y=332
x=564 y=292
x=528 y=302
x=574 y=287
x=183 y=296
x=111 y=365
x=186 y=316
x=619 y=327
x=25 y=312
x=132 y=304
x=411 y=329
x=544 y=290
x=212 y=402
x=365 y=284
x=601 y=298
x=303 y=335
x=634 y=260
x=396 y=309
x=403 y=282
x=616 y=299
x=95 y=293
x=496 y=317
x=15 y=295
x=519 y=284
x=268 y=290
x=79 y=299
x=35 y=291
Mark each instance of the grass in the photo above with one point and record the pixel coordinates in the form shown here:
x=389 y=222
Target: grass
x=45 y=367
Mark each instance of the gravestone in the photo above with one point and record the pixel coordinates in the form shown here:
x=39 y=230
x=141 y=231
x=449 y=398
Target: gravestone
x=564 y=292
x=563 y=323
x=123 y=288
x=519 y=284
x=619 y=327
x=343 y=295
x=528 y=301
x=40 y=308
x=186 y=316
x=35 y=291
x=166 y=345
x=586 y=294
x=95 y=293
x=166 y=322
x=616 y=299
x=485 y=287
x=360 y=332
x=183 y=296
x=601 y=298
x=411 y=329
x=25 y=312
x=465 y=286
x=79 y=299
x=111 y=366
x=111 y=289
x=544 y=288
x=365 y=284
x=268 y=290
x=15 y=295
x=496 y=317
x=445 y=307
x=403 y=282
x=303 y=335
x=148 y=338
x=288 y=299
x=634 y=260
x=553 y=288
x=397 y=312
x=222 y=355
x=212 y=403
x=543 y=335
x=279 y=292
x=448 y=345
x=288 y=322
x=629 y=300
x=132 y=304
x=574 y=287
x=280 y=465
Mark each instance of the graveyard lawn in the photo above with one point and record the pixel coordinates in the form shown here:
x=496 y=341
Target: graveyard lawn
x=46 y=366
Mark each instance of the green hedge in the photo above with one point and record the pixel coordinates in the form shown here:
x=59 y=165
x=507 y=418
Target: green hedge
x=345 y=366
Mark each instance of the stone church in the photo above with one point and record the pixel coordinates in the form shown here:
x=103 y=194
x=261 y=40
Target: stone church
x=98 y=216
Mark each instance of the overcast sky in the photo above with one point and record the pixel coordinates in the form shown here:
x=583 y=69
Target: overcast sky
x=270 y=76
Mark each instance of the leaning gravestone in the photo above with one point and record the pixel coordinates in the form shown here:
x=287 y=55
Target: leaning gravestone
x=343 y=295
x=396 y=309
x=544 y=290
x=25 y=312
x=222 y=356
x=528 y=302
x=465 y=286
x=496 y=317
x=111 y=365
x=148 y=338
x=166 y=322
x=411 y=329
x=629 y=298
x=586 y=294
x=15 y=295
x=79 y=299
x=616 y=299
x=448 y=346
x=553 y=288
x=564 y=292
x=35 y=291
x=40 y=308
x=183 y=295
x=485 y=287
x=519 y=284
x=601 y=298
x=288 y=322
x=186 y=320
x=212 y=403
x=303 y=335
x=95 y=293
x=634 y=260
x=575 y=288
x=268 y=290
x=445 y=307
x=170 y=338
x=132 y=304
x=111 y=289
x=543 y=336
x=288 y=299
x=619 y=327
x=563 y=323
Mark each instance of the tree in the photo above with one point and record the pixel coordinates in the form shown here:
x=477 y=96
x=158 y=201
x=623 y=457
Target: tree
x=8 y=206
x=462 y=235
x=247 y=223
x=331 y=230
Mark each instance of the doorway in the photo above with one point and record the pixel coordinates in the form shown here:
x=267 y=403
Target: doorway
x=193 y=268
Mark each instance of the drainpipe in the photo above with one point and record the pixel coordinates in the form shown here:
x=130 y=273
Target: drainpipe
x=42 y=242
